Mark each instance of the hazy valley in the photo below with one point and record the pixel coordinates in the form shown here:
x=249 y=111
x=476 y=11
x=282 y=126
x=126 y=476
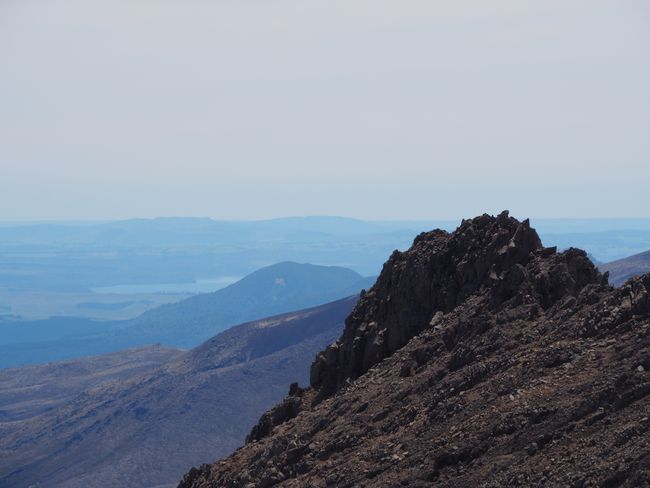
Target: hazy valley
x=139 y=418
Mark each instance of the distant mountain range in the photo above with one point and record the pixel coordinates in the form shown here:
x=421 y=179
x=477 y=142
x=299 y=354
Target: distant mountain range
x=76 y=258
x=272 y=290
x=139 y=418
x=118 y=270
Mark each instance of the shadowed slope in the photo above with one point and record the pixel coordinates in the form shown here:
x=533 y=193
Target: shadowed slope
x=33 y=390
x=145 y=431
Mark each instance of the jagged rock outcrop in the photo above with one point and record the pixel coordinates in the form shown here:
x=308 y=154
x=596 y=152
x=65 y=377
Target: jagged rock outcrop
x=285 y=410
x=437 y=274
x=479 y=358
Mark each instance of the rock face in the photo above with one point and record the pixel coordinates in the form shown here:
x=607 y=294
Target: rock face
x=437 y=274
x=479 y=358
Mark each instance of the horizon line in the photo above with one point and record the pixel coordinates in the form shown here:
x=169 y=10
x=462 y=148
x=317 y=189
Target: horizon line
x=91 y=221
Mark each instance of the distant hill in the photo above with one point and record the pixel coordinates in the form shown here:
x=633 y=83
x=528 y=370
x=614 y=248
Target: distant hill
x=622 y=270
x=126 y=432
x=272 y=290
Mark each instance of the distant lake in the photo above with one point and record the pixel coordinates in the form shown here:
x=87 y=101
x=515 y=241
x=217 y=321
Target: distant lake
x=198 y=286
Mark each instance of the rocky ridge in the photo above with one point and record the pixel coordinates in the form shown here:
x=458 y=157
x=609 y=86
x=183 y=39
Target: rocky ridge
x=479 y=358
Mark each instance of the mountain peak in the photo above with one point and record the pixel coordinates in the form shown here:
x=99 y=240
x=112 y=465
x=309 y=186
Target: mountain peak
x=479 y=358
x=436 y=274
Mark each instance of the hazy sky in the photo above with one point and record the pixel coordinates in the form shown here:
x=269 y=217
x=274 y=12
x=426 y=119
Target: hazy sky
x=372 y=109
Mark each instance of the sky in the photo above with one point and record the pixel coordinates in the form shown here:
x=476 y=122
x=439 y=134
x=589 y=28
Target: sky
x=251 y=109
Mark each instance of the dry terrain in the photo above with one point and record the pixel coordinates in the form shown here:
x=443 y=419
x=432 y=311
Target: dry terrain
x=479 y=359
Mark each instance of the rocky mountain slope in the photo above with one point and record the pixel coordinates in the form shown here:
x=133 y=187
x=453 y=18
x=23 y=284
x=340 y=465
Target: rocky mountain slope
x=143 y=430
x=622 y=270
x=479 y=358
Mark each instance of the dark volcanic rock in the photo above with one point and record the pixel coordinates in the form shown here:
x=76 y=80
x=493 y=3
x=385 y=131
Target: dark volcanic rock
x=479 y=358
x=438 y=273
x=286 y=410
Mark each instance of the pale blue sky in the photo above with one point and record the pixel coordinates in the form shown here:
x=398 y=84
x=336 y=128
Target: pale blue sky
x=238 y=109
